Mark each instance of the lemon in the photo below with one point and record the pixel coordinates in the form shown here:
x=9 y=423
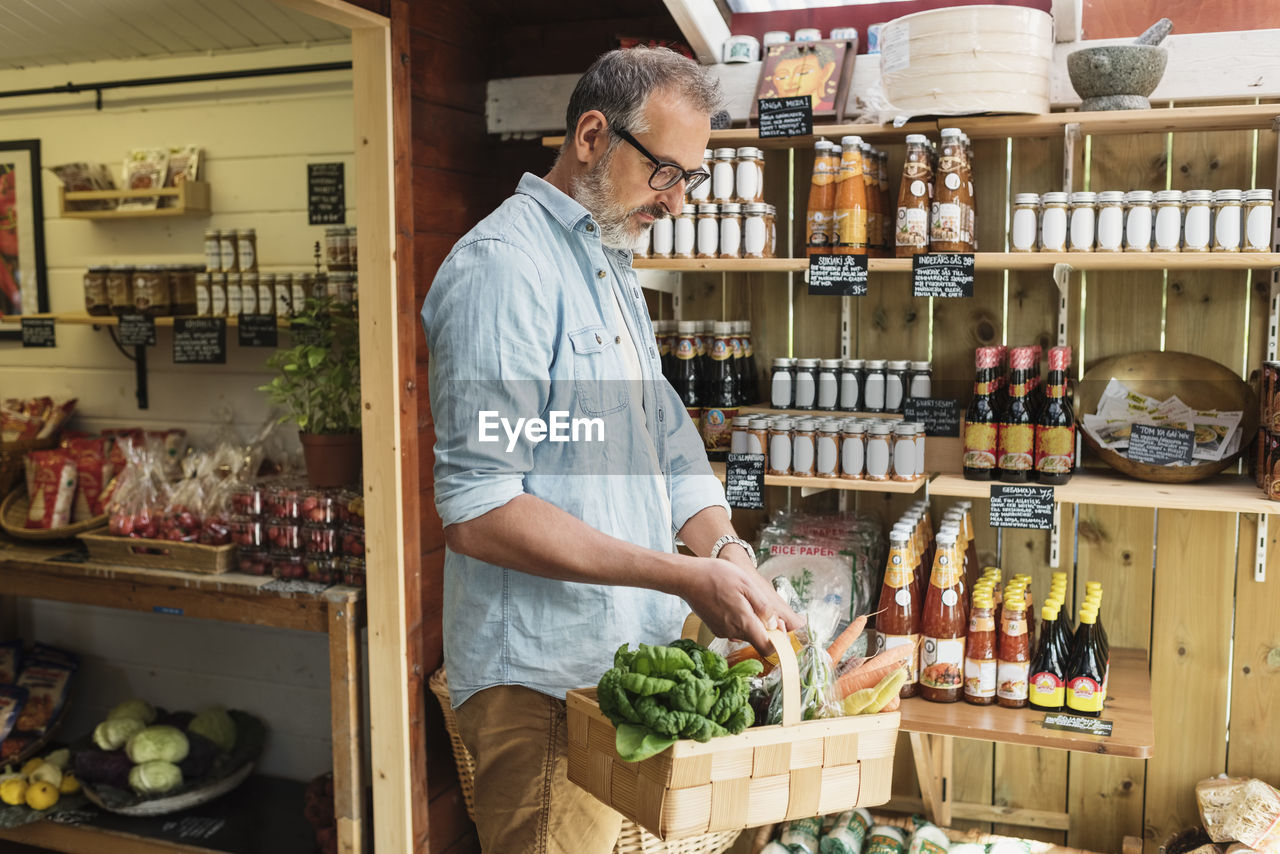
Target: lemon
x=70 y=785
x=32 y=765
x=13 y=792
x=41 y=796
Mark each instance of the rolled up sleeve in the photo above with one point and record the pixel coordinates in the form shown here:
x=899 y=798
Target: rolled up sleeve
x=489 y=336
x=693 y=486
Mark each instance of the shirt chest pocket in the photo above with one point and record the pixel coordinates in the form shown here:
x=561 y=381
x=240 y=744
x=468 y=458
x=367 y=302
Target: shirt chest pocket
x=597 y=372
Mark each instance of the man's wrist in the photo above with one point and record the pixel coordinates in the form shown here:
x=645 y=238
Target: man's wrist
x=729 y=541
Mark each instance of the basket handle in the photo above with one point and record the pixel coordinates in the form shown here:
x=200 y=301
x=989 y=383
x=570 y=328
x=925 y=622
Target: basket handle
x=696 y=630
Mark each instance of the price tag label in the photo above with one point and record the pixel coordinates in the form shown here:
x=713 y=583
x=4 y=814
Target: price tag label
x=838 y=275
x=947 y=275
x=137 y=330
x=940 y=415
x=39 y=332
x=781 y=117
x=258 y=330
x=200 y=341
x=1161 y=446
x=1078 y=723
x=744 y=481
x=1014 y=506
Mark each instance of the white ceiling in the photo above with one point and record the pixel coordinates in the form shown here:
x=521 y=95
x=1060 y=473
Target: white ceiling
x=58 y=32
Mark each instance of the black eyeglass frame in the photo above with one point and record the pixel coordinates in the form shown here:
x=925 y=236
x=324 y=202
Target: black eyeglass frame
x=691 y=178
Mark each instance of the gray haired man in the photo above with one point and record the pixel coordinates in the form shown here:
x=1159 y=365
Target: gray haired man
x=558 y=553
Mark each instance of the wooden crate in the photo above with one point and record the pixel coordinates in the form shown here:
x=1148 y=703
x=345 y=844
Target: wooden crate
x=160 y=554
x=764 y=775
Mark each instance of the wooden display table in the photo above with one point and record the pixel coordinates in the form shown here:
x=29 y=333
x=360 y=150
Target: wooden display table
x=44 y=572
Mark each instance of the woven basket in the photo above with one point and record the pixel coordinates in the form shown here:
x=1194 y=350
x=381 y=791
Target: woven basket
x=634 y=839
x=12 y=455
x=766 y=774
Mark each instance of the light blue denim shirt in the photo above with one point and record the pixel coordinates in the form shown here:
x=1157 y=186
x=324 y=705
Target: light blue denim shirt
x=521 y=320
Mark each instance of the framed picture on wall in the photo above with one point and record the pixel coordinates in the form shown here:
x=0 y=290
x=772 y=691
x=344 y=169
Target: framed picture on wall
x=819 y=69
x=24 y=282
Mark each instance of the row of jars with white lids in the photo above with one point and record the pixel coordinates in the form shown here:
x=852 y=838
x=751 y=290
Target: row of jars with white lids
x=729 y=230
x=737 y=175
x=848 y=385
x=872 y=449
x=1143 y=221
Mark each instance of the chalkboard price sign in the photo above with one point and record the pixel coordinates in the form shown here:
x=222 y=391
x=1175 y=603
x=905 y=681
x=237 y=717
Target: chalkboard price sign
x=940 y=415
x=744 y=481
x=780 y=117
x=200 y=341
x=1076 y=723
x=39 y=332
x=948 y=275
x=1022 y=507
x=326 y=194
x=838 y=275
x=1161 y=446
x=258 y=330
x=137 y=330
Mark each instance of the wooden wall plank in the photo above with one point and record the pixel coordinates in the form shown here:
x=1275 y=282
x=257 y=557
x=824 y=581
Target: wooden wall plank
x=1254 y=751
x=1190 y=661
x=1115 y=546
x=1260 y=289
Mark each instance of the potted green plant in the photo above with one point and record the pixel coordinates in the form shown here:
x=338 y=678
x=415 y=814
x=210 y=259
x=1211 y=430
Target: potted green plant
x=318 y=385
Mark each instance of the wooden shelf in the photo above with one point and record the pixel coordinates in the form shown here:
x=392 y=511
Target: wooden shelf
x=1222 y=493
x=1175 y=119
x=190 y=197
x=1128 y=707
x=819 y=483
x=111 y=320
x=762 y=409
x=994 y=261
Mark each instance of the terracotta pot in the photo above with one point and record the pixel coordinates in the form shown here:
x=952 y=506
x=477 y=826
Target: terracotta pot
x=333 y=459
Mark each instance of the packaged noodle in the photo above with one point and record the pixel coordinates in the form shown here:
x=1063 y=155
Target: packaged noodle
x=928 y=839
x=848 y=834
x=801 y=836
x=885 y=839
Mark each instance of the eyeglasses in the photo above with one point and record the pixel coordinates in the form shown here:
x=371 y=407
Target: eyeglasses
x=665 y=174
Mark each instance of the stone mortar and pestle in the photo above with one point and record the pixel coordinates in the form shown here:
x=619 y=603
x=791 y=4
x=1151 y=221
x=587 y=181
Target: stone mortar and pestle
x=1120 y=76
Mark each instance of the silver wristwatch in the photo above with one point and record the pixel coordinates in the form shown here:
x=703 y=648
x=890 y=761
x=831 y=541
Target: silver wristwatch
x=730 y=538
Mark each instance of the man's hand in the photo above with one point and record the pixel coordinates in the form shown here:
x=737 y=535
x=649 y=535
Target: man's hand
x=734 y=599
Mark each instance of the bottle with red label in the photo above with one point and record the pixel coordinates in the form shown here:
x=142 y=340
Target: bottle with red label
x=1056 y=424
x=1047 y=686
x=944 y=624
x=1015 y=457
x=980 y=650
x=1014 y=654
x=981 y=419
x=898 y=614
x=1086 y=671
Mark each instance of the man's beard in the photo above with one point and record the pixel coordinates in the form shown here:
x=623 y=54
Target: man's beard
x=596 y=192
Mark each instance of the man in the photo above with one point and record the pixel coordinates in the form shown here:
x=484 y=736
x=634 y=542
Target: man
x=558 y=552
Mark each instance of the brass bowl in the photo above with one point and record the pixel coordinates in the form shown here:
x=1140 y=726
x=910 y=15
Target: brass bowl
x=1199 y=382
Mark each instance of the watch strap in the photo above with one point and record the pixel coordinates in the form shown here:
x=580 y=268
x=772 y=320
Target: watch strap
x=731 y=538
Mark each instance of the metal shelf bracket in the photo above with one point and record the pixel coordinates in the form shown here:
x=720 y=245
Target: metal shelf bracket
x=1260 y=552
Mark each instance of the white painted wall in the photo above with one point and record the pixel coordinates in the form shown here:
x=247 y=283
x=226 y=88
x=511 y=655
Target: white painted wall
x=257 y=136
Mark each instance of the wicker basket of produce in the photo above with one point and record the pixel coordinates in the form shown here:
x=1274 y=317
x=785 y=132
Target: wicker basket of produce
x=13 y=519
x=795 y=769
x=633 y=839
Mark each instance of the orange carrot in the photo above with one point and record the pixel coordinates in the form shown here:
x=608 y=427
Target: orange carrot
x=846 y=638
x=874 y=670
x=894 y=702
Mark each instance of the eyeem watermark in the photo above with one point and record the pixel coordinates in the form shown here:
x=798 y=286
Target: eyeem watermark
x=558 y=428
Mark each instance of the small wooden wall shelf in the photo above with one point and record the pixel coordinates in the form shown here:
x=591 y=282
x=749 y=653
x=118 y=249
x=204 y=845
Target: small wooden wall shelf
x=190 y=197
x=993 y=261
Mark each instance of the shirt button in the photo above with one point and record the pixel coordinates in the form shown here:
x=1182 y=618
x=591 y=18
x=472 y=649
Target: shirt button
x=599 y=340
x=600 y=274
x=591 y=226
x=617 y=339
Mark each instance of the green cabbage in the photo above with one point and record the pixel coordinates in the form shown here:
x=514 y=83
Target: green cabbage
x=155 y=778
x=157 y=744
x=216 y=725
x=137 y=709
x=114 y=733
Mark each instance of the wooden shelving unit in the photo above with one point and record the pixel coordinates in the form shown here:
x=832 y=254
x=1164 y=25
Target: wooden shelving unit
x=1221 y=493
x=994 y=261
x=1251 y=117
x=190 y=197
x=816 y=484
x=41 y=572
x=83 y=319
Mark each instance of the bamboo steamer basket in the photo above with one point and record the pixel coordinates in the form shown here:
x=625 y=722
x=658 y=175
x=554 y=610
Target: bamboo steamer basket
x=764 y=775
x=968 y=59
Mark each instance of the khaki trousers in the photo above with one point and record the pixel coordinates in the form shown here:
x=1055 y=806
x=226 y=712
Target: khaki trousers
x=525 y=803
